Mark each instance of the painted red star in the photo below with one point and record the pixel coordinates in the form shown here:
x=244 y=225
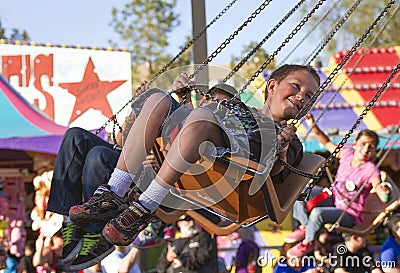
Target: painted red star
x=90 y=93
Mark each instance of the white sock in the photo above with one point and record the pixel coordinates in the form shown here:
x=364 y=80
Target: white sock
x=153 y=195
x=120 y=182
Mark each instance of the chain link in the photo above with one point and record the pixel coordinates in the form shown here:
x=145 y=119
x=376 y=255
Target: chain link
x=226 y=42
x=272 y=56
x=309 y=104
x=165 y=67
x=245 y=59
x=330 y=35
x=320 y=20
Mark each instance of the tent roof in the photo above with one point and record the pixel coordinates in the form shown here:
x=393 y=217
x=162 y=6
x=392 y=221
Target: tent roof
x=23 y=127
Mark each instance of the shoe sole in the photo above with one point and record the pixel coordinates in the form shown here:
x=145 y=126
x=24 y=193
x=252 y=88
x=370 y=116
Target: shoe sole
x=84 y=217
x=74 y=252
x=81 y=266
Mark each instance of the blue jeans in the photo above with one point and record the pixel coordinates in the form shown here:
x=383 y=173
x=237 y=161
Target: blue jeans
x=84 y=161
x=324 y=213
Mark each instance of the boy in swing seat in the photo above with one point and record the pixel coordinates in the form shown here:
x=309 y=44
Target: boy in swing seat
x=287 y=91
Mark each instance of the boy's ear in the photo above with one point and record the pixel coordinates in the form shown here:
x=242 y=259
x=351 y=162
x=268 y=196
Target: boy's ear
x=270 y=86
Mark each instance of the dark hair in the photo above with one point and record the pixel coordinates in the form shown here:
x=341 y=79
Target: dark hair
x=223 y=89
x=369 y=133
x=393 y=223
x=283 y=71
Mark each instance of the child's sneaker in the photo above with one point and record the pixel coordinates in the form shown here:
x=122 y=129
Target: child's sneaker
x=151 y=236
x=296 y=236
x=300 y=250
x=94 y=249
x=103 y=206
x=169 y=233
x=72 y=241
x=123 y=230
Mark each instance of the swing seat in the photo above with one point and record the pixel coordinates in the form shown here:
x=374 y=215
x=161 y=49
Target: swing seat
x=375 y=211
x=235 y=204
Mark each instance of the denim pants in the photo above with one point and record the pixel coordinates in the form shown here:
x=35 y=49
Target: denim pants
x=324 y=213
x=84 y=161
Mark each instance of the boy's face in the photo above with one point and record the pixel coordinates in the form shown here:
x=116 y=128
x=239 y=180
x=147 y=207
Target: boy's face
x=286 y=98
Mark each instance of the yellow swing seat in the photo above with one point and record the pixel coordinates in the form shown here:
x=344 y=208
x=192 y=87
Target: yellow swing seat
x=238 y=207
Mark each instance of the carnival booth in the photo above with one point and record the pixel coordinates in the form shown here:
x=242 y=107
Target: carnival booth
x=29 y=142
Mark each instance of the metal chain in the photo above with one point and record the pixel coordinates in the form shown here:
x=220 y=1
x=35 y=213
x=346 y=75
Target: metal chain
x=309 y=33
x=272 y=56
x=351 y=52
x=245 y=59
x=225 y=43
x=370 y=104
x=334 y=30
x=365 y=52
x=165 y=67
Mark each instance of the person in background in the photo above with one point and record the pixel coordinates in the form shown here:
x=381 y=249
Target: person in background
x=247 y=252
x=193 y=252
x=26 y=260
x=353 y=256
x=390 y=251
x=121 y=260
x=324 y=246
x=48 y=254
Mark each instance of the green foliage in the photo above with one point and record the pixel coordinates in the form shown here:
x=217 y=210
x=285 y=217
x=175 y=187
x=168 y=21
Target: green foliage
x=16 y=34
x=144 y=26
x=355 y=26
x=255 y=61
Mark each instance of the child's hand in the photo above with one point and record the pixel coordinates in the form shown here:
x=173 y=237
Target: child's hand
x=171 y=255
x=287 y=133
x=309 y=118
x=179 y=86
x=143 y=87
x=385 y=187
x=151 y=161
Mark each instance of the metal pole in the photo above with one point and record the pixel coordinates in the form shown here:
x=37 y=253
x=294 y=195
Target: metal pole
x=200 y=46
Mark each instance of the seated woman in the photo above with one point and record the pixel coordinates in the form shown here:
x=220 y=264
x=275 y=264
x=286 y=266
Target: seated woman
x=235 y=130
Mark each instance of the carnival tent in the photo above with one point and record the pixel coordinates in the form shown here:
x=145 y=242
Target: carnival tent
x=24 y=129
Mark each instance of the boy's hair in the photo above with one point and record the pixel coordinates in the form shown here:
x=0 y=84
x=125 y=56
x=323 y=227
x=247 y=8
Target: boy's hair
x=393 y=223
x=223 y=89
x=369 y=133
x=283 y=71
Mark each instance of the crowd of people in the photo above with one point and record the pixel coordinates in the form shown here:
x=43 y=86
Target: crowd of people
x=95 y=184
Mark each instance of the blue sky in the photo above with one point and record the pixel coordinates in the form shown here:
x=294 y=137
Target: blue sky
x=86 y=23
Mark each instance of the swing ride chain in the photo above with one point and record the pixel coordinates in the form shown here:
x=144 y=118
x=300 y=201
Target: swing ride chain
x=365 y=52
x=164 y=68
x=272 y=56
x=334 y=30
x=370 y=104
x=320 y=20
x=245 y=59
x=308 y=105
x=189 y=44
x=192 y=87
